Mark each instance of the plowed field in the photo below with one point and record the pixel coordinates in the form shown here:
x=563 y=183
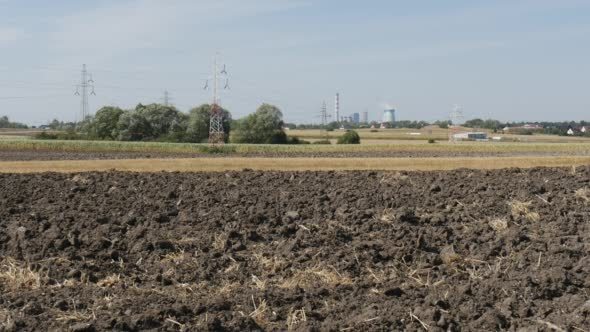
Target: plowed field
x=460 y=250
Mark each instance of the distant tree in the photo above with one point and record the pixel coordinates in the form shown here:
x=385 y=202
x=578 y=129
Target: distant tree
x=490 y=124
x=198 y=123
x=333 y=125
x=350 y=137
x=105 y=122
x=86 y=128
x=5 y=123
x=151 y=122
x=55 y=124
x=442 y=124
x=474 y=123
x=162 y=119
x=133 y=126
x=265 y=126
x=177 y=129
x=409 y=124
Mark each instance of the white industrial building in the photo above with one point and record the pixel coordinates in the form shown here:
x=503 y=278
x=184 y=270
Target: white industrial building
x=471 y=136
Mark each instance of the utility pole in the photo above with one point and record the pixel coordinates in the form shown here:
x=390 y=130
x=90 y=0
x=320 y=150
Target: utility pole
x=216 y=132
x=86 y=84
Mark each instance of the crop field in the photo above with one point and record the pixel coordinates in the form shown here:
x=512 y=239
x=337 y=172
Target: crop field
x=462 y=250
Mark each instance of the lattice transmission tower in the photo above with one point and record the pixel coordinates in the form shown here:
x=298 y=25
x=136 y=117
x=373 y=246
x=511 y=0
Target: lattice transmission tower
x=216 y=132
x=83 y=89
x=324 y=116
x=456 y=118
x=166 y=98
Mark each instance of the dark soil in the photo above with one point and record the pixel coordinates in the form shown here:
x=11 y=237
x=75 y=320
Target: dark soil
x=10 y=155
x=356 y=251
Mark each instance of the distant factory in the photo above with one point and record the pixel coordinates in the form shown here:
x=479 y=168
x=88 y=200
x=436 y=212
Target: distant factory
x=365 y=117
x=353 y=118
x=358 y=118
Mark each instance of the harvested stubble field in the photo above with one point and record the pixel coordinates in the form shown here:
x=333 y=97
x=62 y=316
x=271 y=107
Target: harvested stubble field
x=286 y=164
x=462 y=250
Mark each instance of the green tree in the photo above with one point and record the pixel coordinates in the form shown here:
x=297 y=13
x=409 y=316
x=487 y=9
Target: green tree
x=152 y=122
x=105 y=122
x=55 y=124
x=162 y=119
x=198 y=123
x=474 y=123
x=87 y=127
x=5 y=123
x=442 y=124
x=265 y=126
x=133 y=126
x=178 y=127
x=332 y=126
x=350 y=137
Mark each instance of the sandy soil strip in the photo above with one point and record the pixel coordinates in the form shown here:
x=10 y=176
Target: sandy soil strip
x=287 y=164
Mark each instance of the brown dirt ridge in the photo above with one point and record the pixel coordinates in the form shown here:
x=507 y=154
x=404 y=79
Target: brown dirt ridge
x=462 y=250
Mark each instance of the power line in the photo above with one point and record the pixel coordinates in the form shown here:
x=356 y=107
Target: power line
x=29 y=97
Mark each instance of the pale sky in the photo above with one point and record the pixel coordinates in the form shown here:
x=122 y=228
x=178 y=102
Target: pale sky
x=510 y=60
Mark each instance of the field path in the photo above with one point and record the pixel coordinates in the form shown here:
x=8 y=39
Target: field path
x=287 y=164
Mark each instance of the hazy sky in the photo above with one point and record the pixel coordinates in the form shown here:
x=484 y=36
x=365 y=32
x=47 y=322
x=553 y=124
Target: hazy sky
x=509 y=60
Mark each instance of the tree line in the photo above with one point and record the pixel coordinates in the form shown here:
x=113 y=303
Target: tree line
x=157 y=122
x=6 y=123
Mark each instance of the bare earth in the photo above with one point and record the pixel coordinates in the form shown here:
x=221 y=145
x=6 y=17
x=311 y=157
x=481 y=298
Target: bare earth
x=462 y=250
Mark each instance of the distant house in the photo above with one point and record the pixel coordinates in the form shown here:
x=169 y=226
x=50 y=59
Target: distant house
x=44 y=127
x=570 y=131
x=583 y=129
